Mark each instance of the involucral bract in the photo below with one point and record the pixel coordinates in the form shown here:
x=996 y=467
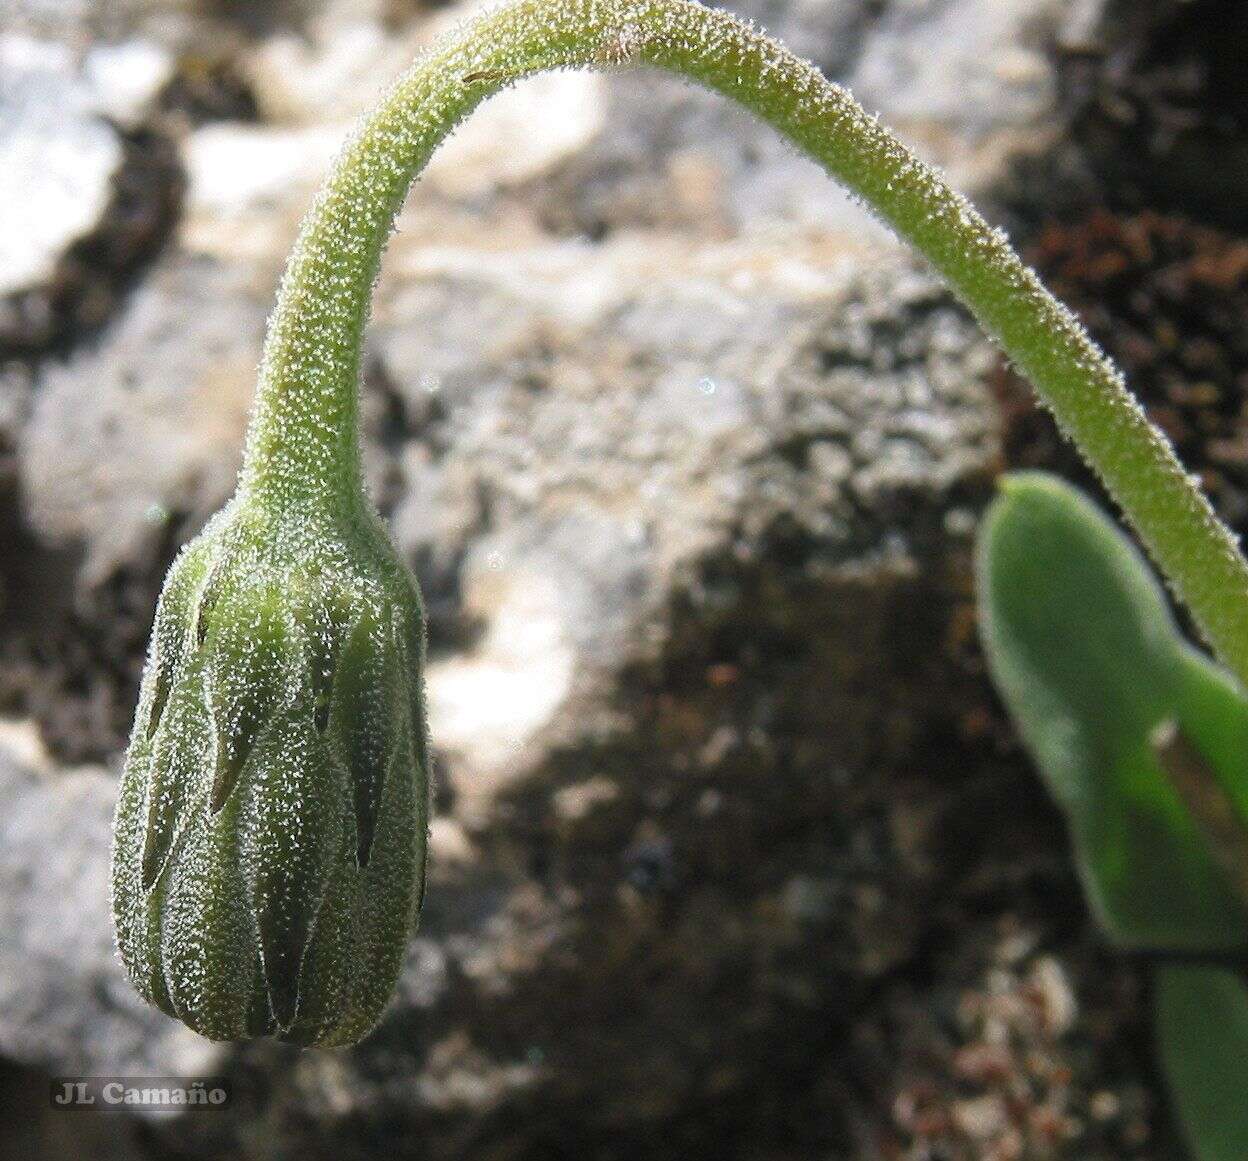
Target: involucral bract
x=269 y=845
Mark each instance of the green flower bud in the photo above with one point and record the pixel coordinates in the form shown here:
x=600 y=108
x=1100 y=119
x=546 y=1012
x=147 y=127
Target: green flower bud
x=270 y=835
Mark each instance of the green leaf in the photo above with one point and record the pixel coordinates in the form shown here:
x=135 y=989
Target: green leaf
x=1089 y=661
x=1201 y=1016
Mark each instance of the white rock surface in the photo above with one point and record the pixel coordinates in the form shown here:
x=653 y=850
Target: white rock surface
x=57 y=948
x=58 y=150
x=150 y=422
x=57 y=159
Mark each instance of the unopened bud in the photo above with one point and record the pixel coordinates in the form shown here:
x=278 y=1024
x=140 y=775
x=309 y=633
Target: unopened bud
x=269 y=845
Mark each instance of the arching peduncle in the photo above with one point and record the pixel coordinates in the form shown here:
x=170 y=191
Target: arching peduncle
x=303 y=445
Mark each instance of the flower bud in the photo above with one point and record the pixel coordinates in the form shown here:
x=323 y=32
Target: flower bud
x=270 y=833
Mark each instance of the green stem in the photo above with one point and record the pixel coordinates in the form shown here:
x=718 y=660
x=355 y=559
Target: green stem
x=303 y=444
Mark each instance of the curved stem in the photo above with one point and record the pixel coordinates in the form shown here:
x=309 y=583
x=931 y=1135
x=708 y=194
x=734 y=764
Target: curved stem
x=303 y=443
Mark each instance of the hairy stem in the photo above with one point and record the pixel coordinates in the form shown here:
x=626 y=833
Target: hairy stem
x=303 y=444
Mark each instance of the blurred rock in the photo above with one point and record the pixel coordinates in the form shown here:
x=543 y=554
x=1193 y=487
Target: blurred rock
x=970 y=85
x=145 y=428
x=59 y=109
x=960 y=72
x=58 y=159
x=16 y=392
x=1162 y=108
x=65 y=1004
x=62 y=155
x=584 y=429
x=332 y=65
